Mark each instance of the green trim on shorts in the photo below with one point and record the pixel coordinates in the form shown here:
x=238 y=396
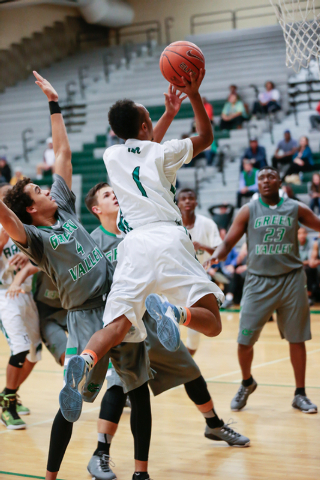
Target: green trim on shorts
x=72 y=351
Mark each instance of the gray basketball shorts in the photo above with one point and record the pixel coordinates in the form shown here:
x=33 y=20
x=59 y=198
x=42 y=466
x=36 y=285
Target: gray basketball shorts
x=170 y=368
x=53 y=328
x=130 y=360
x=287 y=294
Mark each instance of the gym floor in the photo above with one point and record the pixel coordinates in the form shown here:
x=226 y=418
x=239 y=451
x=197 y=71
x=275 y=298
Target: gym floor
x=284 y=442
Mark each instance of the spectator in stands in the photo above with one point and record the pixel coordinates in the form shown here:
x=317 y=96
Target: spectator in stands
x=112 y=139
x=288 y=192
x=209 y=109
x=309 y=256
x=302 y=159
x=235 y=269
x=315 y=119
x=18 y=175
x=256 y=154
x=5 y=170
x=314 y=192
x=285 y=150
x=248 y=183
x=268 y=101
x=233 y=90
x=48 y=160
x=233 y=114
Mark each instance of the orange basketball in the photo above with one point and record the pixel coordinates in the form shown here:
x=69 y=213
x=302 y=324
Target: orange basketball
x=179 y=59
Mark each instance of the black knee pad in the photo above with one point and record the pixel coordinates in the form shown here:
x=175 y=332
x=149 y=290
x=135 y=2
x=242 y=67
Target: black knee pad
x=112 y=404
x=197 y=391
x=18 y=359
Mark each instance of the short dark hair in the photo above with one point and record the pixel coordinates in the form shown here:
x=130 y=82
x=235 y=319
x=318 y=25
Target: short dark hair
x=91 y=196
x=18 y=200
x=185 y=190
x=125 y=119
x=267 y=167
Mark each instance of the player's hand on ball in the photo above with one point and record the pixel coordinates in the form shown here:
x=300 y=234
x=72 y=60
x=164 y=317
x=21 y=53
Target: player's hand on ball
x=46 y=87
x=173 y=100
x=14 y=291
x=192 y=88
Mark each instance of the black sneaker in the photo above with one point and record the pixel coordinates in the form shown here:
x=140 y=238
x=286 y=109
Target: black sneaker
x=141 y=476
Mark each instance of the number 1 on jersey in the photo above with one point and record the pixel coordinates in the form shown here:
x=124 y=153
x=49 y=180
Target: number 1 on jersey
x=136 y=179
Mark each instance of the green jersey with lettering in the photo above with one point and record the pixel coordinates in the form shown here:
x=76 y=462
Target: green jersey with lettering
x=108 y=243
x=68 y=254
x=273 y=247
x=46 y=291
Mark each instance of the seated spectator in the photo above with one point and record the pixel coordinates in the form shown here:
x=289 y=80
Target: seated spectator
x=112 y=139
x=302 y=159
x=48 y=160
x=5 y=170
x=233 y=114
x=285 y=150
x=235 y=268
x=289 y=193
x=222 y=214
x=309 y=254
x=18 y=175
x=211 y=152
x=209 y=109
x=268 y=101
x=233 y=89
x=248 y=183
x=315 y=119
x=256 y=154
x=314 y=192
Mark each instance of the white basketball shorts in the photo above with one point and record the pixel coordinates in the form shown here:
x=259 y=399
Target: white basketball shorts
x=155 y=258
x=20 y=322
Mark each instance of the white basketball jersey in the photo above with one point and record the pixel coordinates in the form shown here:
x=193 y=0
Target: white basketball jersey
x=143 y=177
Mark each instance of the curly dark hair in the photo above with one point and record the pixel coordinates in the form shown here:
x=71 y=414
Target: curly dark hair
x=91 y=196
x=125 y=119
x=17 y=200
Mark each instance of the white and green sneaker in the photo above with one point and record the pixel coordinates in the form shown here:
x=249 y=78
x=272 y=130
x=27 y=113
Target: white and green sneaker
x=9 y=416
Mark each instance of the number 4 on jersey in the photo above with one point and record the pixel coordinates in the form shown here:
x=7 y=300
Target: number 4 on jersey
x=80 y=250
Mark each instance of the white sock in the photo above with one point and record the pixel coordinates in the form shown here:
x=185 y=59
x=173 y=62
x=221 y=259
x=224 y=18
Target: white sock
x=183 y=315
x=89 y=359
x=229 y=296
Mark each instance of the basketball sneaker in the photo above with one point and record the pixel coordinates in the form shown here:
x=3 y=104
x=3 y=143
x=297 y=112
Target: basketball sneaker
x=240 y=399
x=302 y=403
x=21 y=409
x=70 y=398
x=9 y=416
x=167 y=317
x=99 y=467
x=227 y=434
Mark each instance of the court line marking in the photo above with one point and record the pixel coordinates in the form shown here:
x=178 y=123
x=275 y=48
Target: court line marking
x=50 y=420
x=272 y=362
x=260 y=384
x=23 y=475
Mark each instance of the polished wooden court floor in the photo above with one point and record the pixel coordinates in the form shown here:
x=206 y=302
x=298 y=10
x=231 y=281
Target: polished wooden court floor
x=284 y=442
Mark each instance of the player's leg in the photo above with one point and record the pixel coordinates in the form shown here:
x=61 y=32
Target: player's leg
x=53 y=334
x=193 y=341
x=254 y=315
x=294 y=325
x=216 y=429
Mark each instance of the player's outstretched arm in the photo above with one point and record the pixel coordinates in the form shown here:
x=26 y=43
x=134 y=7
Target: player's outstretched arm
x=308 y=218
x=61 y=147
x=173 y=100
x=15 y=287
x=203 y=124
x=237 y=230
x=12 y=225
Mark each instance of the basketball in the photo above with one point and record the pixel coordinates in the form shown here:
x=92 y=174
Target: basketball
x=180 y=59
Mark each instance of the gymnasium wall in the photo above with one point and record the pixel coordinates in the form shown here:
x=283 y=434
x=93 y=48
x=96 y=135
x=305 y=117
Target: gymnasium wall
x=181 y=11
x=17 y=23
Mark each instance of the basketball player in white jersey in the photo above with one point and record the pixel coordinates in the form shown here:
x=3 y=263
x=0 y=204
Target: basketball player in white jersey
x=206 y=238
x=157 y=256
x=20 y=325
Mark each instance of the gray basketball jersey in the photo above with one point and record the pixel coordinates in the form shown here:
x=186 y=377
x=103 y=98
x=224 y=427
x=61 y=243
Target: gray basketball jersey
x=68 y=254
x=273 y=247
x=108 y=243
x=46 y=291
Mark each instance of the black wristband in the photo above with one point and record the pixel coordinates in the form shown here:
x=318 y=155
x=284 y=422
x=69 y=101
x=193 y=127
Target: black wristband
x=54 y=108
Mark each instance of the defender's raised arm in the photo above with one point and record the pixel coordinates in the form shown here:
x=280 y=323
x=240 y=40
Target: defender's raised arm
x=61 y=147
